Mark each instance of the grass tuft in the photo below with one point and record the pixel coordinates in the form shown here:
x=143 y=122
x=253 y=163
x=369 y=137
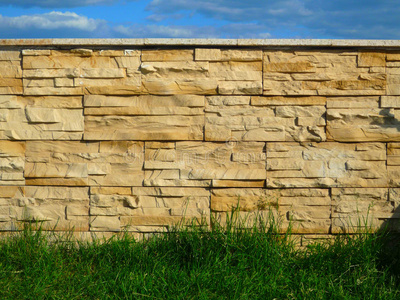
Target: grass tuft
x=231 y=261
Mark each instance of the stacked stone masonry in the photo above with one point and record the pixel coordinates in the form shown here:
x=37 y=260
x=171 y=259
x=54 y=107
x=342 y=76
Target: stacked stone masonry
x=136 y=138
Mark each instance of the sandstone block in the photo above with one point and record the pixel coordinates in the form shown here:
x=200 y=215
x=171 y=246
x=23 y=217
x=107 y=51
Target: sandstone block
x=143 y=128
x=68 y=194
x=10 y=55
x=201 y=54
x=355 y=208
x=390 y=101
x=177 y=87
x=325 y=165
x=241 y=55
x=239 y=88
x=371 y=59
x=35 y=52
x=105 y=223
x=353 y=102
x=364 y=124
x=58 y=91
x=56 y=170
x=167 y=55
x=60 y=62
x=276 y=101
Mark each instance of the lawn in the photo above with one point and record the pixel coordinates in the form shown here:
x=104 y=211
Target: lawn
x=193 y=262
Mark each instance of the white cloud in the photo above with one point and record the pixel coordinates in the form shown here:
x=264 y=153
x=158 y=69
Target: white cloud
x=57 y=3
x=50 y=21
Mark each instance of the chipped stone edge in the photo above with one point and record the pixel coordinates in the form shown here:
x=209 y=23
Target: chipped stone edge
x=204 y=42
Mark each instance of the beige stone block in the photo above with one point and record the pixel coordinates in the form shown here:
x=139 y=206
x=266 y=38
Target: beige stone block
x=113 y=90
x=42 y=170
x=10 y=83
x=117 y=53
x=57 y=181
x=40 y=135
x=165 y=192
x=282 y=101
x=157 y=220
x=110 y=190
x=372 y=133
x=325 y=165
x=76 y=210
x=52 y=73
x=10 y=71
x=241 y=55
x=42 y=115
x=176 y=183
x=9 y=102
x=12 y=192
x=162 y=174
x=356 y=208
x=60 y=62
x=394 y=176
x=390 y=101
x=122 y=147
x=102 y=73
x=72 y=52
x=129 y=111
x=393 y=87
x=144 y=101
x=228 y=100
x=239 y=88
x=42 y=91
x=232 y=70
x=10 y=55
x=352 y=102
x=63 y=82
x=173 y=87
x=80 y=52
x=312 y=77
x=188 y=70
x=35 y=52
x=393 y=56
x=34 y=83
x=130 y=62
x=316 y=112
x=167 y=55
x=366 y=124
x=67 y=194
x=238 y=183
x=114 y=200
x=143 y=128
x=12 y=149
x=105 y=223
x=202 y=54
x=290 y=67
x=371 y=59
x=120 y=174
x=34 y=148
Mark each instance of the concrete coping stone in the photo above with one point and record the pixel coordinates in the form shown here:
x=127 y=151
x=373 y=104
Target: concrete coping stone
x=204 y=42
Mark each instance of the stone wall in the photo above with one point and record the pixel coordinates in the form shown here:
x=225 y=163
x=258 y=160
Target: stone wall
x=133 y=137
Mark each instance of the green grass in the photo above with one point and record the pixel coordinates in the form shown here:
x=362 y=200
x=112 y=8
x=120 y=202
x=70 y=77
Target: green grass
x=192 y=262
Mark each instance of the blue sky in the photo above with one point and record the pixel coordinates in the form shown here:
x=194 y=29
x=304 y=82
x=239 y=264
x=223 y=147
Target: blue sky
x=338 y=19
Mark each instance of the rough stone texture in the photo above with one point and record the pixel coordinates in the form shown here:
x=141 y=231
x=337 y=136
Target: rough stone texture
x=235 y=118
x=355 y=208
x=326 y=165
x=149 y=133
x=328 y=73
x=193 y=163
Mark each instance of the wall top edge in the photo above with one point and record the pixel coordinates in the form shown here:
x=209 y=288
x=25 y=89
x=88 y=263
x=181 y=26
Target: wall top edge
x=204 y=42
